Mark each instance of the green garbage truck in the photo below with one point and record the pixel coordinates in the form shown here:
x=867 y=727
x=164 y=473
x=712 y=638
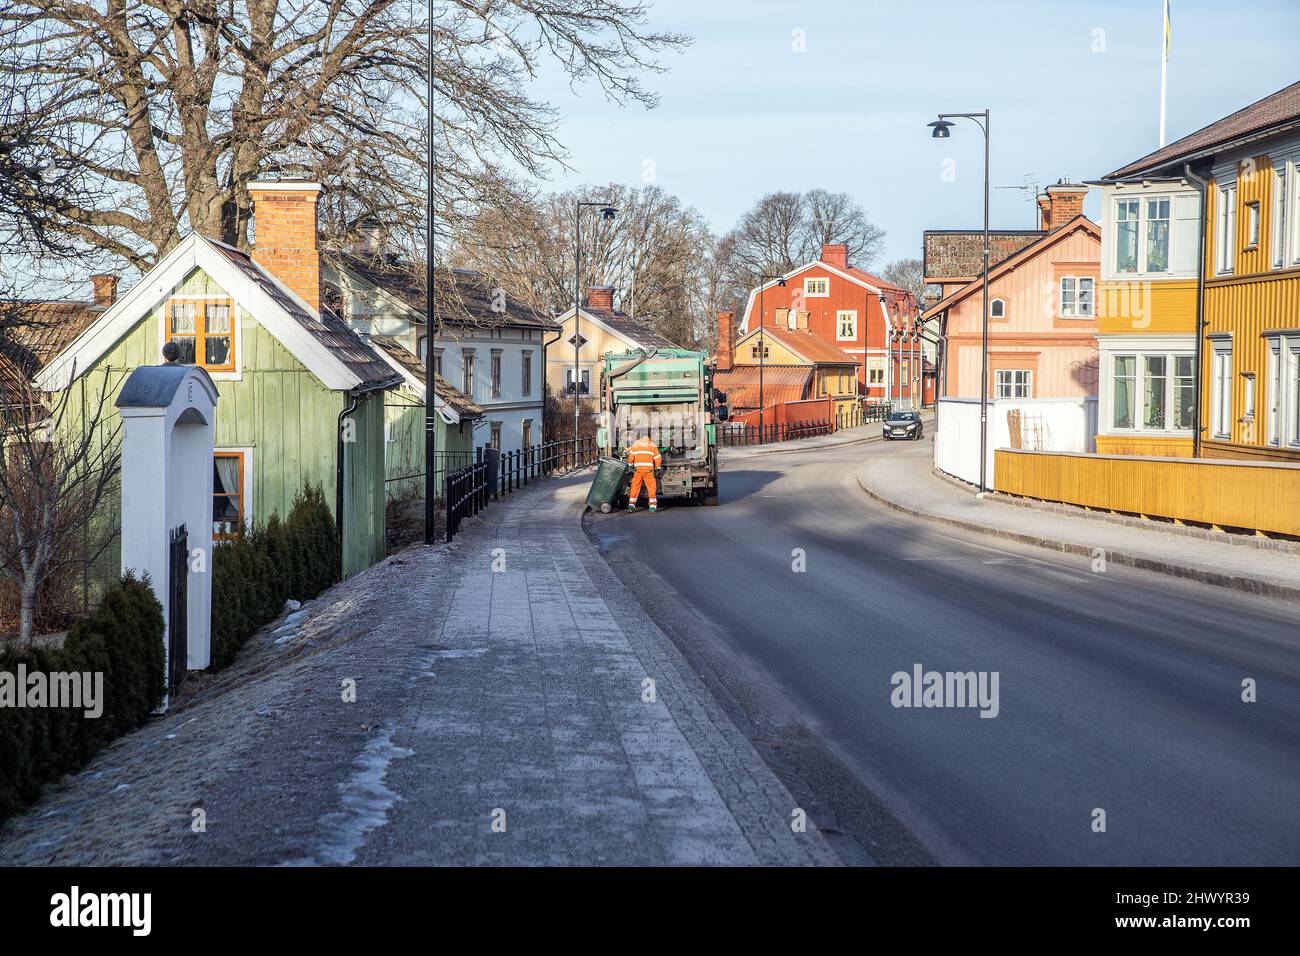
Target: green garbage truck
x=667 y=394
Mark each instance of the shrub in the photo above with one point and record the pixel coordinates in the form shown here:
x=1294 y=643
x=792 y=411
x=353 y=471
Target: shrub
x=256 y=572
x=123 y=640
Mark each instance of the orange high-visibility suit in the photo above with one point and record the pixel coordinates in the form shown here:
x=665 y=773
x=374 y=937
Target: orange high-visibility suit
x=643 y=455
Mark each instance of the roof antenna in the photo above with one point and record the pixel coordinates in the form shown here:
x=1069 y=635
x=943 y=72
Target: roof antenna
x=1030 y=185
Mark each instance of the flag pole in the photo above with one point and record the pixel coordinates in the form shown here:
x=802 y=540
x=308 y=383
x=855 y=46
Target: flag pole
x=1164 y=67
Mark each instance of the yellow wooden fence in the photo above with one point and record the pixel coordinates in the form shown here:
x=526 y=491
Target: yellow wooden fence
x=1264 y=496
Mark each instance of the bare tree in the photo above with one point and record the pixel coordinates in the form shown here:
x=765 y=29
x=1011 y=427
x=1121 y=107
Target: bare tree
x=656 y=254
x=169 y=108
x=59 y=466
x=784 y=229
x=907 y=274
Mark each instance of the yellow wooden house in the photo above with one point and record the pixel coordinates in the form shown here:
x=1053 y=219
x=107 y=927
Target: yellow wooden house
x=1231 y=189
x=802 y=365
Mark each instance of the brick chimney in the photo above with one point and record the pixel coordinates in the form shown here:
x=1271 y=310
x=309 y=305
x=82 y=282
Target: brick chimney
x=835 y=254
x=726 y=340
x=105 y=289
x=1060 y=203
x=284 y=219
x=600 y=297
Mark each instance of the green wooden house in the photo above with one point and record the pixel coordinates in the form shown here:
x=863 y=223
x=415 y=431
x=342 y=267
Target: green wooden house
x=302 y=396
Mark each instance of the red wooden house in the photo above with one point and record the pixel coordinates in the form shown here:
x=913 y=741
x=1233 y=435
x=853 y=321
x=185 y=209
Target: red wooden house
x=851 y=310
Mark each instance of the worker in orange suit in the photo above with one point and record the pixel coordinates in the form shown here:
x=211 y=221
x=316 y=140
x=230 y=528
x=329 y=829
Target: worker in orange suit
x=643 y=455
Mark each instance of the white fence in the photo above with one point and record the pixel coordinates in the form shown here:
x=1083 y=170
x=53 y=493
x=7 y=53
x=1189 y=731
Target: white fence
x=1041 y=424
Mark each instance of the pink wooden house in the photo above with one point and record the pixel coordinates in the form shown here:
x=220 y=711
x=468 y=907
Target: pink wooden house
x=1042 y=313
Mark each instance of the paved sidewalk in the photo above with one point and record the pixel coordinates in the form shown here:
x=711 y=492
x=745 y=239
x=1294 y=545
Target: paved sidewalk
x=516 y=697
x=904 y=478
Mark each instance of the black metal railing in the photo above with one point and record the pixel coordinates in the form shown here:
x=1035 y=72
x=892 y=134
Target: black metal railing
x=739 y=434
x=471 y=488
x=412 y=485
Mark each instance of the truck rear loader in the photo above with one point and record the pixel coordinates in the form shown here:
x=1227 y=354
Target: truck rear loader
x=667 y=394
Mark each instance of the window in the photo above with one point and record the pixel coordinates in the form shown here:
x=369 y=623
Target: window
x=1013 y=383
x=876 y=371
x=1221 y=390
x=527 y=383
x=496 y=373
x=1126 y=235
x=227 y=493
x=422 y=348
x=1283 y=393
x=495 y=441
x=817 y=287
x=1277 y=240
x=1125 y=385
x=205 y=332
x=467 y=376
x=1184 y=406
x=585 y=388
x=754 y=350
x=1252 y=225
x=437 y=361
x=527 y=433
x=1076 y=297
x=998 y=309
x=1157 y=250
x=846 y=325
x=1293 y=213
x=1226 y=227
x=1248 y=395
x=1153 y=392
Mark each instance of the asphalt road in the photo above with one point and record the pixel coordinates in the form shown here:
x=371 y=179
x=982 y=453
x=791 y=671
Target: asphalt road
x=1117 y=691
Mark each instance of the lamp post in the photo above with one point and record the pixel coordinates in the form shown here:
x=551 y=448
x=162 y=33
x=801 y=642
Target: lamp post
x=607 y=212
x=762 y=344
x=431 y=319
x=941 y=129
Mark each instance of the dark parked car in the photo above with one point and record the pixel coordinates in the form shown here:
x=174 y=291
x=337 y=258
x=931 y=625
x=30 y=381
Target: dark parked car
x=903 y=425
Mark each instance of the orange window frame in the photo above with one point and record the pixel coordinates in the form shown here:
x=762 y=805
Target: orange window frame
x=201 y=329
x=243 y=517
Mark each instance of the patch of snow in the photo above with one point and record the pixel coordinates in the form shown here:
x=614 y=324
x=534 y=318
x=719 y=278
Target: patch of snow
x=458 y=652
x=366 y=800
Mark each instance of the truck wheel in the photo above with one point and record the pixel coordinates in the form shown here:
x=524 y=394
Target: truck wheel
x=710 y=500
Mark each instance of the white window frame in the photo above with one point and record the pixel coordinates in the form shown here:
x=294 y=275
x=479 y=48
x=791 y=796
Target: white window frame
x=839 y=326
x=876 y=371
x=1278 y=226
x=1283 y=389
x=585 y=379
x=1140 y=357
x=1075 y=292
x=1221 y=388
x=1138 y=235
x=1225 y=218
x=1293 y=213
x=993 y=311
x=822 y=282
x=1011 y=385
x=1252 y=225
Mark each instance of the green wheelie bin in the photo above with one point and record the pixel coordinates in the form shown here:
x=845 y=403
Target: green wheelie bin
x=607 y=484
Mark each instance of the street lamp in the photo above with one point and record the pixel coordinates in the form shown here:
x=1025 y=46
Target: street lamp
x=941 y=129
x=607 y=212
x=762 y=344
x=431 y=319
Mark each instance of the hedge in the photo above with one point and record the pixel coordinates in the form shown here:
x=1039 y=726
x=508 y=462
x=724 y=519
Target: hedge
x=256 y=572
x=123 y=640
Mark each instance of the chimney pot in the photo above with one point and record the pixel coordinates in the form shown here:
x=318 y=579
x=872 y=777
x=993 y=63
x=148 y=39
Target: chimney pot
x=600 y=297
x=1060 y=203
x=722 y=357
x=105 y=289
x=836 y=254
x=284 y=220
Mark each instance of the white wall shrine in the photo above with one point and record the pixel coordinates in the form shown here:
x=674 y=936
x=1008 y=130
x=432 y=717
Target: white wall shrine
x=168 y=417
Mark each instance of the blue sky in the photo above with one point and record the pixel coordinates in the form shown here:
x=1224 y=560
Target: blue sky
x=742 y=113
